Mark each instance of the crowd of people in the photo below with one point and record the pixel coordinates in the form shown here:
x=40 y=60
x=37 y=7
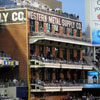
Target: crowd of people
x=52 y=59
x=85 y=96
x=12 y=82
x=60 y=82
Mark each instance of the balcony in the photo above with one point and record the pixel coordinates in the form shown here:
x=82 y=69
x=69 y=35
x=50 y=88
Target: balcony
x=41 y=62
x=56 y=86
x=35 y=36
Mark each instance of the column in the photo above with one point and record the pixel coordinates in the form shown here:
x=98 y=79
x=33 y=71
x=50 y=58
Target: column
x=53 y=75
x=37 y=49
x=45 y=74
x=81 y=54
x=60 y=29
x=37 y=74
x=74 y=32
x=45 y=50
x=36 y=26
x=67 y=31
x=61 y=52
x=80 y=33
x=45 y=27
x=61 y=75
x=52 y=30
x=53 y=52
x=68 y=75
x=68 y=54
x=75 y=53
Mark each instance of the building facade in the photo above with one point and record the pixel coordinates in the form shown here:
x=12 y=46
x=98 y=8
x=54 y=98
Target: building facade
x=51 y=51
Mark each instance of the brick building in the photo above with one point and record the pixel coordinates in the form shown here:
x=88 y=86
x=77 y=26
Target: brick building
x=50 y=49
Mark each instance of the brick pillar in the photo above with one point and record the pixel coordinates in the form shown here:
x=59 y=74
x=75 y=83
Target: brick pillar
x=61 y=52
x=67 y=31
x=75 y=76
x=45 y=50
x=37 y=75
x=80 y=33
x=74 y=32
x=37 y=49
x=61 y=75
x=52 y=29
x=60 y=29
x=68 y=75
x=36 y=26
x=53 y=51
x=75 y=53
x=81 y=54
x=68 y=54
x=53 y=75
x=45 y=74
x=45 y=27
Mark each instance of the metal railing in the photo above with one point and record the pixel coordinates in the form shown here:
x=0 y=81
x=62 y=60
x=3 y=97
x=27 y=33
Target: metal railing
x=57 y=83
x=60 y=36
x=4 y=56
x=17 y=83
x=46 y=60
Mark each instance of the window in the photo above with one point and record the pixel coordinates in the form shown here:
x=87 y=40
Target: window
x=32 y=25
x=41 y=50
x=32 y=48
x=70 y=31
x=56 y=28
x=49 y=27
x=64 y=30
x=71 y=54
x=57 y=52
x=49 y=52
x=77 y=32
x=64 y=53
x=40 y=26
x=78 y=54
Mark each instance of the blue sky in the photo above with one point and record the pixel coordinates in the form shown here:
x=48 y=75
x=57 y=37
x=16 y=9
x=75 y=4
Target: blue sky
x=75 y=7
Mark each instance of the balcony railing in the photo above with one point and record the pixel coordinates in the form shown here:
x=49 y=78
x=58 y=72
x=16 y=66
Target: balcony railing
x=4 y=56
x=63 y=36
x=12 y=83
x=47 y=60
x=62 y=83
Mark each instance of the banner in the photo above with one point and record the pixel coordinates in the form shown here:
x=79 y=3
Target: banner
x=92 y=77
x=95 y=21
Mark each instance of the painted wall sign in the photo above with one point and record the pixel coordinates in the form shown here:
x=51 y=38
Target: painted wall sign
x=34 y=15
x=12 y=16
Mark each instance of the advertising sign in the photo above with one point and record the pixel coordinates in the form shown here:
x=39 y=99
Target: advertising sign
x=95 y=21
x=9 y=63
x=91 y=85
x=92 y=77
x=12 y=16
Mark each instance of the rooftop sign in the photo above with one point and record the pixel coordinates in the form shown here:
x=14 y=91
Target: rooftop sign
x=54 y=19
x=12 y=16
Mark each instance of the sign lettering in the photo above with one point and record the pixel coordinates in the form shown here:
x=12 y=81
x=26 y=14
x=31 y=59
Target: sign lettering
x=54 y=20
x=12 y=16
